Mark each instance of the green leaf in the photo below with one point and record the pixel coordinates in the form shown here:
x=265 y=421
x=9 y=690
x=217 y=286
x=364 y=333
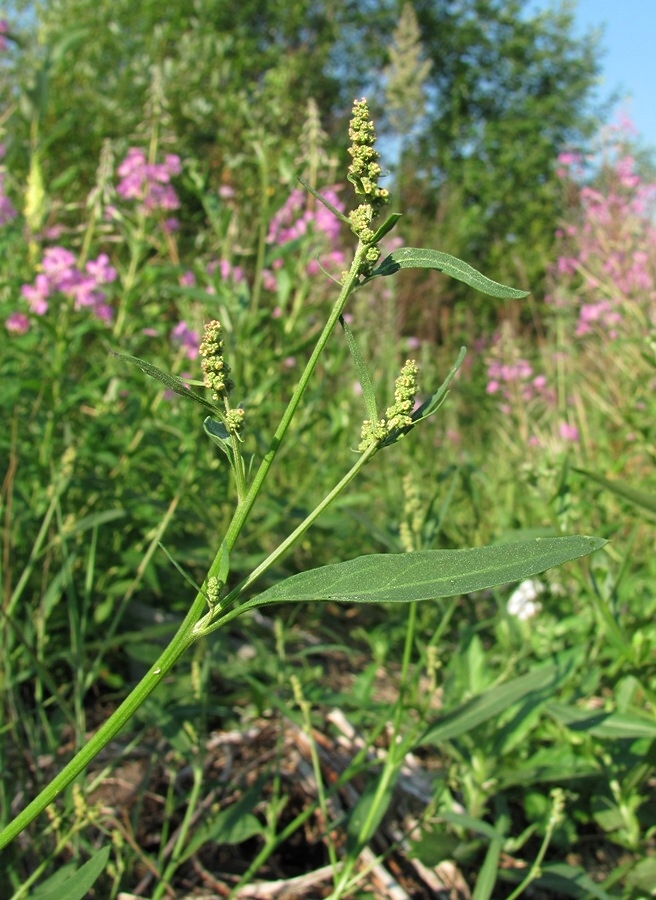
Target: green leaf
x=492 y=703
x=640 y=498
x=362 y=372
x=172 y=382
x=569 y=881
x=219 y=435
x=386 y=227
x=487 y=875
x=325 y=202
x=421 y=258
x=613 y=726
x=434 y=402
x=363 y=822
x=61 y=887
x=230 y=826
x=427 y=574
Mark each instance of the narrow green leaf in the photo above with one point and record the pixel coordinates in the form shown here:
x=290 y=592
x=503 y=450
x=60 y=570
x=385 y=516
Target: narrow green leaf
x=172 y=382
x=487 y=875
x=569 y=881
x=640 y=498
x=421 y=258
x=613 y=726
x=362 y=372
x=325 y=202
x=492 y=703
x=430 y=406
x=77 y=885
x=363 y=822
x=427 y=574
x=386 y=227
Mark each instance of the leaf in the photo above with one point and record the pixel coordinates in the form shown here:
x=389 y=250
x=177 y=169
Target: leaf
x=75 y=887
x=569 y=881
x=172 y=382
x=487 y=875
x=427 y=574
x=362 y=372
x=612 y=726
x=421 y=258
x=219 y=435
x=492 y=703
x=429 y=407
x=357 y=835
x=386 y=227
x=640 y=498
x=232 y=825
x=325 y=202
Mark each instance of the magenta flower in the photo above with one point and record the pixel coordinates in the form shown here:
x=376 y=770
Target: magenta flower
x=61 y=275
x=187 y=279
x=149 y=182
x=4 y=29
x=186 y=338
x=37 y=294
x=568 y=432
x=17 y=323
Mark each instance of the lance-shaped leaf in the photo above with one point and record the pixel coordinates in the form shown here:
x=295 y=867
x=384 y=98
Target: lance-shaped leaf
x=420 y=258
x=368 y=393
x=427 y=574
x=639 y=497
x=172 y=382
x=386 y=227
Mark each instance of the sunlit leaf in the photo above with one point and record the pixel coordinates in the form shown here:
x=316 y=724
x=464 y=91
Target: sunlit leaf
x=421 y=258
x=427 y=574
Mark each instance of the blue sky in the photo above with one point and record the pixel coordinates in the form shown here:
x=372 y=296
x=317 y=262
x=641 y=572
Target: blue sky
x=629 y=58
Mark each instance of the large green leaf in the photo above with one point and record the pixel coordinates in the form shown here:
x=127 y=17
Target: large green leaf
x=421 y=258
x=427 y=574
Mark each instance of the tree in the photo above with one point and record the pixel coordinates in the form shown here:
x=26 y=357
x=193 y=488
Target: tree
x=508 y=91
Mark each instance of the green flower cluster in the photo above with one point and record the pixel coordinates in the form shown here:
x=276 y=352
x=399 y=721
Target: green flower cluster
x=398 y=415
x=216 y=377
x=216 y=371
x=364 y=173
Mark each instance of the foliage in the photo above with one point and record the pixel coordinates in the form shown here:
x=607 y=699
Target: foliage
x=521 y=715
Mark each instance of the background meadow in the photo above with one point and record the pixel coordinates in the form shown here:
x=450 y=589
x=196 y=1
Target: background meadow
x=149 y=173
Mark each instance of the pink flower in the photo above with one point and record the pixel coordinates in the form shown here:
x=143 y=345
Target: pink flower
x=149 y=182
x=17 y=323
x=37 y=295
x=186 y=338
x=568 y=432
x=187 y=279
x=269 y=282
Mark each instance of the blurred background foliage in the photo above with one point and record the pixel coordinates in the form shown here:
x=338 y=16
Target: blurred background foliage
x=491 y=92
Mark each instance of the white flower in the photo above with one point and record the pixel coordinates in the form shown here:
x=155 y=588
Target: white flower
x=523 y=601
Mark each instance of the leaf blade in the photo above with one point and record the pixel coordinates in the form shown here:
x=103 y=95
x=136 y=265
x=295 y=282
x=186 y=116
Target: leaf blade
x=422 y=258
x=426 y=574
